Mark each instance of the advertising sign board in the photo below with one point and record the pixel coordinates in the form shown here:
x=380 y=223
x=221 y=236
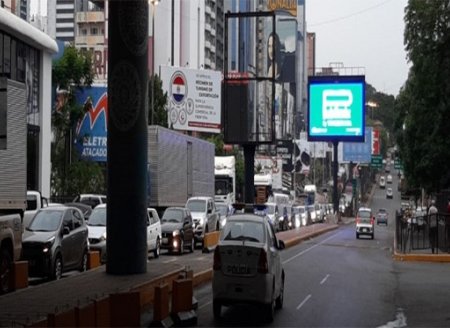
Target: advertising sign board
x=359 y=152
x=194 y=98
x=336 y=108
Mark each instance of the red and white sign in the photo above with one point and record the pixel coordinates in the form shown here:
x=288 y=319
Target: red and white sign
x=375 y=142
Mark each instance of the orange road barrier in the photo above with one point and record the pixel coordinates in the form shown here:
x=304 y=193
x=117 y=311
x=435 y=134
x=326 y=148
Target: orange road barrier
x=210 y=241
x=62 y=319
x=85 y=316
x=20 y=275
x=93 y=259
x=161 y=303
x=182 y=292
x=125 y=309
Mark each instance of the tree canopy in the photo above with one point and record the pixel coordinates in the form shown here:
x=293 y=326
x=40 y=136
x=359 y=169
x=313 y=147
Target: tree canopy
x=422 y=109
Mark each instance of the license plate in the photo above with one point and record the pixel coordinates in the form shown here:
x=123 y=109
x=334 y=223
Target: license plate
x=365 y=230
x=238 y=269
x=165 y=240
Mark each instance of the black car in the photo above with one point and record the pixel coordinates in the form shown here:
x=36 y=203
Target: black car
x=56 y=241
x=177 y=230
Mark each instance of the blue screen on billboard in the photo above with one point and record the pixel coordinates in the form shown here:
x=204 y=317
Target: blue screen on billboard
x=336 y=108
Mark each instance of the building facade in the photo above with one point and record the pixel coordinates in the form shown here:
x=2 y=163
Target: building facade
x=26 y=56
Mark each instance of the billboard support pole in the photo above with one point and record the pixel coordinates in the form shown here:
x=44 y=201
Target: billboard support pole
x=335 y=180
x=249 y=158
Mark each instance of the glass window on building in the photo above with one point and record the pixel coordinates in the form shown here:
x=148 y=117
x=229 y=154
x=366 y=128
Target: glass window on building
x=7 y=55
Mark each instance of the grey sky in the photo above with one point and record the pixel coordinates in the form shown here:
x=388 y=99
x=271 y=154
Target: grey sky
x=362 y=33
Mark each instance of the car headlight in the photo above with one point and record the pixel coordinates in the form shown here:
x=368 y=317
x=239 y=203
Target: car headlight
x=48 y=244
x=201 y=221
x=103 y=237
x=175 y=233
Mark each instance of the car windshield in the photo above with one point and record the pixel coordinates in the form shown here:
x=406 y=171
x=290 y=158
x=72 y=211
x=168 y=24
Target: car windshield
x=382 y=211
x=98 y=217
x=244 y=230
x=196 y=205
x=49 y=220
x=172 y=215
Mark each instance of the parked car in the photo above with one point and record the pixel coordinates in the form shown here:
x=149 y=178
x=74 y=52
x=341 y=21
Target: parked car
x=90 y=199
x=224 y=211
x=365 y=222
x=177 y=230
x=153 y=232
x=382 y=216
x=312 y=213
x=97 y=231
x=56 y=241
x=283 y=217
x=389 y=193
x=256 y=278
x=300 y=216
x=204 y=215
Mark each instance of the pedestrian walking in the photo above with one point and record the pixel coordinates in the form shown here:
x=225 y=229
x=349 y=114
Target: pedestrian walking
x=432 y=225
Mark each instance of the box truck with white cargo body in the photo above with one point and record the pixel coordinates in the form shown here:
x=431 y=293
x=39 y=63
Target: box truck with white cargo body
x=225 y=179
x=13 y=176
x=179 y=167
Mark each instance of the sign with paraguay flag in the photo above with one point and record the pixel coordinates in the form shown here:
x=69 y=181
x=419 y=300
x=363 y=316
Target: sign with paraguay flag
x=194 y=98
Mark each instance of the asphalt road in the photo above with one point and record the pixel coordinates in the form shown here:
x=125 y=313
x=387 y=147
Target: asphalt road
x=335 y=280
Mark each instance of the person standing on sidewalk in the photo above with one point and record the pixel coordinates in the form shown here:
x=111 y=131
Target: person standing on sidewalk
x=432 y=225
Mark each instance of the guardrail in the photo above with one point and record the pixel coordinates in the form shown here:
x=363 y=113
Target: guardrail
x=422 y=233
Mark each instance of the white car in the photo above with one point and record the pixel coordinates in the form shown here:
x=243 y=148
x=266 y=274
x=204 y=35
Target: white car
x=301 y=216
x=97 y=231
x=389 y=193
x=365 y=222
x=256 y=278
x=389 y=178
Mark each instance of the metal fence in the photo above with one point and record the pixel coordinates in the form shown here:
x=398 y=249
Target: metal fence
x=423 y=233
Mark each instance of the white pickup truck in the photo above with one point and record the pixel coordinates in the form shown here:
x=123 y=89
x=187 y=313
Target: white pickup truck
x=35 y=202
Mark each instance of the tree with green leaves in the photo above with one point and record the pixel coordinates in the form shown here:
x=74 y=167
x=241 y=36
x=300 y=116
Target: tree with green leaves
x=70 y=175
x=422 y=108
x=159 y=101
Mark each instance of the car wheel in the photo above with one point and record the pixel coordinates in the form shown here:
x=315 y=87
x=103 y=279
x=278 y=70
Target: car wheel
x=57 y=268
x=5 y=271
x=157 y=250
x=357 y=235
x=84 y=261
x=191 y=248
x=372 y=236
x=217 y=309
x=280 y=298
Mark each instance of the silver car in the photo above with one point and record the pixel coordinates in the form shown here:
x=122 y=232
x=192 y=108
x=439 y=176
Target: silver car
x=247 y=265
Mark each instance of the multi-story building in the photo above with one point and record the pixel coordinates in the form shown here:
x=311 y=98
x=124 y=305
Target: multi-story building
x=20 y=8
x=65 y=19
x=26 y=57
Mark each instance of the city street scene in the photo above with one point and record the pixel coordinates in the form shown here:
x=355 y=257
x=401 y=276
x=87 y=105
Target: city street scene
x=224 y=163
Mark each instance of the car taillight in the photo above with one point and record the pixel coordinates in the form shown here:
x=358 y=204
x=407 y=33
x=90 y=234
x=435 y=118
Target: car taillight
x=263 y=266
x=372 y=220
x=217 y=260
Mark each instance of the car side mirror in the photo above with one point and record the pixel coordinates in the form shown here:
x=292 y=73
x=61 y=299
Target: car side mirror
x=66 y=231
x=186 y=222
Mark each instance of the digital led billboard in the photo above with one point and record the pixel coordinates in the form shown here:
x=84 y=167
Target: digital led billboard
x=336 y=108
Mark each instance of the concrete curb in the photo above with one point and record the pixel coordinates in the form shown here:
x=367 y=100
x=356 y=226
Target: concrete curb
x=439 y=258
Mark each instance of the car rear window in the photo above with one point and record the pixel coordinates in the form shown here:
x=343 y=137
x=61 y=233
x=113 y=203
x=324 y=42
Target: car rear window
x=364 y=214
x=240 y=230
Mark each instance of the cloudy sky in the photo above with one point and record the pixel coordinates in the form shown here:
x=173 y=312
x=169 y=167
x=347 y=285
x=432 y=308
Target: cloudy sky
x=361 y=33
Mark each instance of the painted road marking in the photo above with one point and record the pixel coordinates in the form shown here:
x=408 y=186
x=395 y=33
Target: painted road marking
x=304 y=301
x=324 y=279
x=308 y=249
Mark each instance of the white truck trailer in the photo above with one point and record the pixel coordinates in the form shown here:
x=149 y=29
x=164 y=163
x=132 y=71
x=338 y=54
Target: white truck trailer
x=179 y=167
x=13 y=175
x=225 y=179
